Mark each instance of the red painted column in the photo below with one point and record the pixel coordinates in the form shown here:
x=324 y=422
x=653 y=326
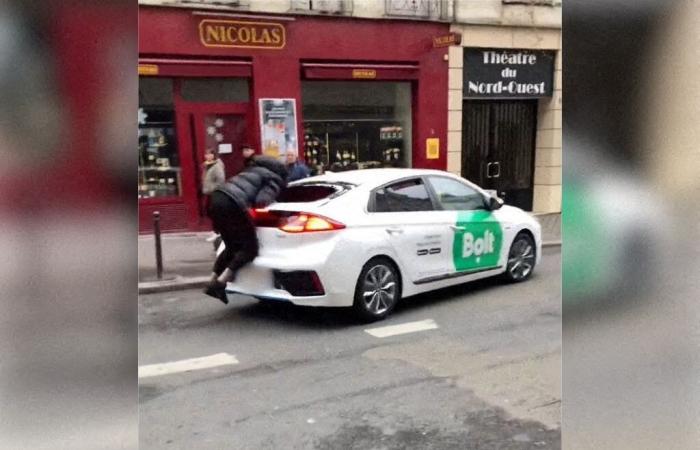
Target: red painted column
x=430 y=110
x=275 y=76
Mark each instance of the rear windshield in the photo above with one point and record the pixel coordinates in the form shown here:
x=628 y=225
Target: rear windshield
x=312 y=192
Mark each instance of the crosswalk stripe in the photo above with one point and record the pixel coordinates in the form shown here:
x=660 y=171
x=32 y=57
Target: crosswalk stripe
x=408 y=327
x=187 y=365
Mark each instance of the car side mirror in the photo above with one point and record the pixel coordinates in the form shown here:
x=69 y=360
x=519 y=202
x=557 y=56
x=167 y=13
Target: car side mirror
x=495 y=203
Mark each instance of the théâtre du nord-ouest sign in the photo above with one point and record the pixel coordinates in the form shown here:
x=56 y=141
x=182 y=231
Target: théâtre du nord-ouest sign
x=508 y=73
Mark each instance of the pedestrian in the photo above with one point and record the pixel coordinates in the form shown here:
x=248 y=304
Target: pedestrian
x=213 y=173
x=213 y=176
x=296 y=169
x=247 y=151
x=257 y=185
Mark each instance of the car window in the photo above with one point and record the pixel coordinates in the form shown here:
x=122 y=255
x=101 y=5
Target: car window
x=409 y=195
x=456 y=196
x=311 y=192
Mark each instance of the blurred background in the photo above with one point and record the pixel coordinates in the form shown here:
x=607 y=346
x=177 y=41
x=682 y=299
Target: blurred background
x=630 y=225
x=68 y=324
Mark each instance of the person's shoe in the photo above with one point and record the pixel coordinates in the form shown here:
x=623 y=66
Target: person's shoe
x=217 y=290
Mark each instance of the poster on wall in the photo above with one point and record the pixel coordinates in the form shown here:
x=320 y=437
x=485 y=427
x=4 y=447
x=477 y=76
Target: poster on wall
x=278 y=125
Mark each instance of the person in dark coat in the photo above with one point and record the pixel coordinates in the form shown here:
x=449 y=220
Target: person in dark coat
x=256 y=186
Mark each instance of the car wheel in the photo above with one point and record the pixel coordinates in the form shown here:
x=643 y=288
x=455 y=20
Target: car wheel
x=521 y=258
x=378 y=290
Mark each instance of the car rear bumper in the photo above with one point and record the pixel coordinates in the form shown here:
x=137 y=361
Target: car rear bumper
x=258 y=280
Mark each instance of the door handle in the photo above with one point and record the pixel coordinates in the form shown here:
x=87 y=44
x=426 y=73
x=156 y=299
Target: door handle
x=488 y=170
x=394 y=230
x=498 y=166
x=456 y=228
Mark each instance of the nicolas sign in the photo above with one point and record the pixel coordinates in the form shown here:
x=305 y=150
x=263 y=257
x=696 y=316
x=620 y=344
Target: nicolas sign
x=507 y=73
x=241 y=34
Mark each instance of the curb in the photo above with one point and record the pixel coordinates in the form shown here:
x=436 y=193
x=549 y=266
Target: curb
x=551 y=243
x=179 y=283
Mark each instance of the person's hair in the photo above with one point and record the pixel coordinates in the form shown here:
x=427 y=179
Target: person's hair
x=213 y=151
x=245 y=146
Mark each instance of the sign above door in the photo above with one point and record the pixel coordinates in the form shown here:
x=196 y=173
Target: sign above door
x=242 y=34
x=508 y=73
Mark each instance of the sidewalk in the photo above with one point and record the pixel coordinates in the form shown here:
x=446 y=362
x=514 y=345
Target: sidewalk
x=188 y=257
x=187 y=261
x=551 y=228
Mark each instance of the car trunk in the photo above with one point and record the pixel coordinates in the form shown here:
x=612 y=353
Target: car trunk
x=306 y=199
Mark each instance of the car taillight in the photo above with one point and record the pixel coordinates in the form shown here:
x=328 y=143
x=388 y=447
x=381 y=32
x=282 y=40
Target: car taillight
x=264 y=218
x=305 y=222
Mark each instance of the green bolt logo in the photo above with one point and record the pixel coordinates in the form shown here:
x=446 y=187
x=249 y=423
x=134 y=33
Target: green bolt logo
x=478 y=244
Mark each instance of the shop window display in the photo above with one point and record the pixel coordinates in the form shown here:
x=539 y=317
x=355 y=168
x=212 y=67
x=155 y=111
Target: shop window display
x=356 y=125
x=159 y=164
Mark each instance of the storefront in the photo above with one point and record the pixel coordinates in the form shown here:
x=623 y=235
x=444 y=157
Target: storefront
x=341 y=93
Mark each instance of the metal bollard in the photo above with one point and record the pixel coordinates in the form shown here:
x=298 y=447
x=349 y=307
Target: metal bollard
x=159 y=250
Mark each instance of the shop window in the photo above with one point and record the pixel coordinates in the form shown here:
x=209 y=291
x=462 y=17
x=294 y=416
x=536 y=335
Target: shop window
x=159 y=162
x=356 y=124
x=215 y=90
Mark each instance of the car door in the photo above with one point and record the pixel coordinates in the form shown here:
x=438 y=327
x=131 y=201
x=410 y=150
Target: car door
x=477 y=233
x=405 y=211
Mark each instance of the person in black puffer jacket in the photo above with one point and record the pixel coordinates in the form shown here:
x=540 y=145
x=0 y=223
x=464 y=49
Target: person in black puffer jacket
x=256 y=186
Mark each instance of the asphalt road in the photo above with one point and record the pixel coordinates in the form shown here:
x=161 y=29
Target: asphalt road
x=488 y=377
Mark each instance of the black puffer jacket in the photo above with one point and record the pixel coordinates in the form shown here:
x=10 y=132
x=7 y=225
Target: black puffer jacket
x=258 y=184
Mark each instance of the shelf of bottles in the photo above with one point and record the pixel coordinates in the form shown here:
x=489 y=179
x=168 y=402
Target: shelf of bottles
x=332 y=146
x=159 y=167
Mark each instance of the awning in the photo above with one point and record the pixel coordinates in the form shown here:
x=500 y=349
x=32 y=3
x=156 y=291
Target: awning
x=332 y=71
x=194 y=67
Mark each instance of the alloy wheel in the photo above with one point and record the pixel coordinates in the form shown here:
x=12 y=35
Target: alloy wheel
x=521 y=259
x=379 y=289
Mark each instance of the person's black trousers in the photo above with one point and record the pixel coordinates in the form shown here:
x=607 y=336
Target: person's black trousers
x=237 y=231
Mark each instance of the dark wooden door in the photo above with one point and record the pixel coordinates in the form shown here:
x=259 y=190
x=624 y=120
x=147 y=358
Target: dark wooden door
x=498 y=148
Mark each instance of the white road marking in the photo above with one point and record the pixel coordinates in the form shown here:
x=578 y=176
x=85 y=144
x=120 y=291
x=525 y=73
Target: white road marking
x=187 y=365
x=408 y=327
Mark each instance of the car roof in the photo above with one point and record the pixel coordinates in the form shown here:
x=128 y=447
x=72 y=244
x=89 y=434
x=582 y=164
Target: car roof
x=373 y=177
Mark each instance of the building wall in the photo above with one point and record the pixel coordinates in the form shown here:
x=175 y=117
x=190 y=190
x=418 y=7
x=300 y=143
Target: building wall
x=365 y=9
x=498 y=12
x=541 y=14
x=548 y=151
x=276 y=73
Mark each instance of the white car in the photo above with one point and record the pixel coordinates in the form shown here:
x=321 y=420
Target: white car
x=368 y=238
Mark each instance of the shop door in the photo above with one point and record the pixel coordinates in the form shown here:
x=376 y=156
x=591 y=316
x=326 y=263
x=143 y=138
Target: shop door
x=498 y=148
x=224 y=128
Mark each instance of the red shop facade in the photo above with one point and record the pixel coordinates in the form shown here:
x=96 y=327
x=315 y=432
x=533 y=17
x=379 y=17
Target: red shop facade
x=342 y=93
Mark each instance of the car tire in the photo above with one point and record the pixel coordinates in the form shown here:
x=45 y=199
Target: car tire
x=521 y=258
x=378 y=290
